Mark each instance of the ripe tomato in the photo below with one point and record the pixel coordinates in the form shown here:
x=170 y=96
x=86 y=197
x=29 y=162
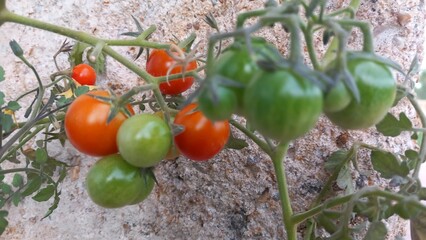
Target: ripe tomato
x=218 y=107
x=237 y=63
x=159 y=63
x=114 y=183
x=144 y=140
x=84 y=74
x=86 y=125
x=377 y=89
x=201 y=139
x=282 y=105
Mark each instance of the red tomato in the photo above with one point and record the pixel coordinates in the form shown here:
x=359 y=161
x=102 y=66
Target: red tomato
x=201 y=138
x=84 y=74
x=159 y=63
x=86 y=125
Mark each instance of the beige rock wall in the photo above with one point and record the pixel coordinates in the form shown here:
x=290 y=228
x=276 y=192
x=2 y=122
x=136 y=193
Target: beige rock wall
x=233 y=196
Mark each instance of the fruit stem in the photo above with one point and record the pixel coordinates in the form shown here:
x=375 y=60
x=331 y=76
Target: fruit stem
x=277 y=157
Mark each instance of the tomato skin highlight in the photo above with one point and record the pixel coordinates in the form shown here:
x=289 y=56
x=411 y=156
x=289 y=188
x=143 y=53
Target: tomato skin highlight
x=113 y=183
x=144 y=140
x=84 y=74
x=377 y=89
x=201 y=139
x=282 y=105
x=86 y=125
x=158 y=65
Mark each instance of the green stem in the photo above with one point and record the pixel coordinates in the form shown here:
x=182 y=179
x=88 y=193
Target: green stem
x=422 y=116
x=367 y=34
x=262 y=144
x=241 y=18
x=277 y=158
x=308 y=33
x=16 y=170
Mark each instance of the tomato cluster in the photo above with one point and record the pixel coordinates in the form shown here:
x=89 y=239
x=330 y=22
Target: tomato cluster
x=282 y=103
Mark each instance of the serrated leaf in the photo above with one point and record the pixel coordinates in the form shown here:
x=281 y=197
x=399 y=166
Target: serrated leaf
x=33 y=186
x=54 y=205
x=45 y=194
x=376 y=231
x=1 y=74
x=400 y=94
x=18 y=180
x=388 y=165
x=41 y=155
x=391 y=126
x=235 y=143
x=335 y=160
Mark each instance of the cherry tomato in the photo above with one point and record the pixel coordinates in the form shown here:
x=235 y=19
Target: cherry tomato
x=218 y=107
x=159 y=63
x=337 y=98
x=84 y=74
x=86 y=125
x=144 y=140
x=282 y=105
x=201 y=139
x=114 y=183
x=377 y=89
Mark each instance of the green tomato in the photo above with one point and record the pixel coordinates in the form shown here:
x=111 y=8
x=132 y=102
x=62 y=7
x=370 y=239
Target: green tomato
x=282 y=105
x=148 y=184
x=337 y=98
x=238 y=64
x=220 y=106
x=114 y=183
x=144 y=140
x=377 y=89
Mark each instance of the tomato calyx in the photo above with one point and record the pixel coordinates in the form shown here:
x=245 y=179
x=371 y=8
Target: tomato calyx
x=118 y=104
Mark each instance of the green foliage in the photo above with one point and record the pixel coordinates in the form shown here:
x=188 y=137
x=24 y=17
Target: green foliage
x=388 y=165
x=391 y=126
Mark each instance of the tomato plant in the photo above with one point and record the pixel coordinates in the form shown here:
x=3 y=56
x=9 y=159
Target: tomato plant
x=282 y=105
x=112 y=183
x=337 y=98
x=160 y=63
x=200 y=139
x=84 y=74
x=377 y=89
x=87 y=128
x=144 y=140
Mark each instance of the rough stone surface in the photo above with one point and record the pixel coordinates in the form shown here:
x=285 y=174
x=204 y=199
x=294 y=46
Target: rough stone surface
x=233 y=196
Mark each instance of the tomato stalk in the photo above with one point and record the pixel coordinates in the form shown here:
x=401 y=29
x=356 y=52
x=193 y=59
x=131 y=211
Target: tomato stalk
x=422 y=116
x=277 y=157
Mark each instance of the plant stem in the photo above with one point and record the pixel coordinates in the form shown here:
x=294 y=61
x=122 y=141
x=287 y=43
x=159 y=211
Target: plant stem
x=277 y=157
x=422 y=116
x=262 y=144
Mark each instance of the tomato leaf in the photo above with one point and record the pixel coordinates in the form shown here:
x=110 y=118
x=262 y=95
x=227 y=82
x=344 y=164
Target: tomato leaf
x=32 y=186
x=41 y=155
x=81 y=90
x=54 y=204
x=3 y=221
x=44 y=194
x=6 y=121
x=236 y=143
x=1 y=74
x=13 y=105
x=335 y=160
x=388 y=164
x=344 y=179
x=376 y=231
x=76 y=55
x=18 y=180
x=5 y=188
x=391 y=126
x=16 y=198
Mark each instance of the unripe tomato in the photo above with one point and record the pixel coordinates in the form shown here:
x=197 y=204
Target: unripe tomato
x=282 y=105
x=159 y=63
x=377 y=89
x=144 y=140
x=218 y=107
x=201 y=139
x=84 y=74
x=86 y=125
x=114 y=183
